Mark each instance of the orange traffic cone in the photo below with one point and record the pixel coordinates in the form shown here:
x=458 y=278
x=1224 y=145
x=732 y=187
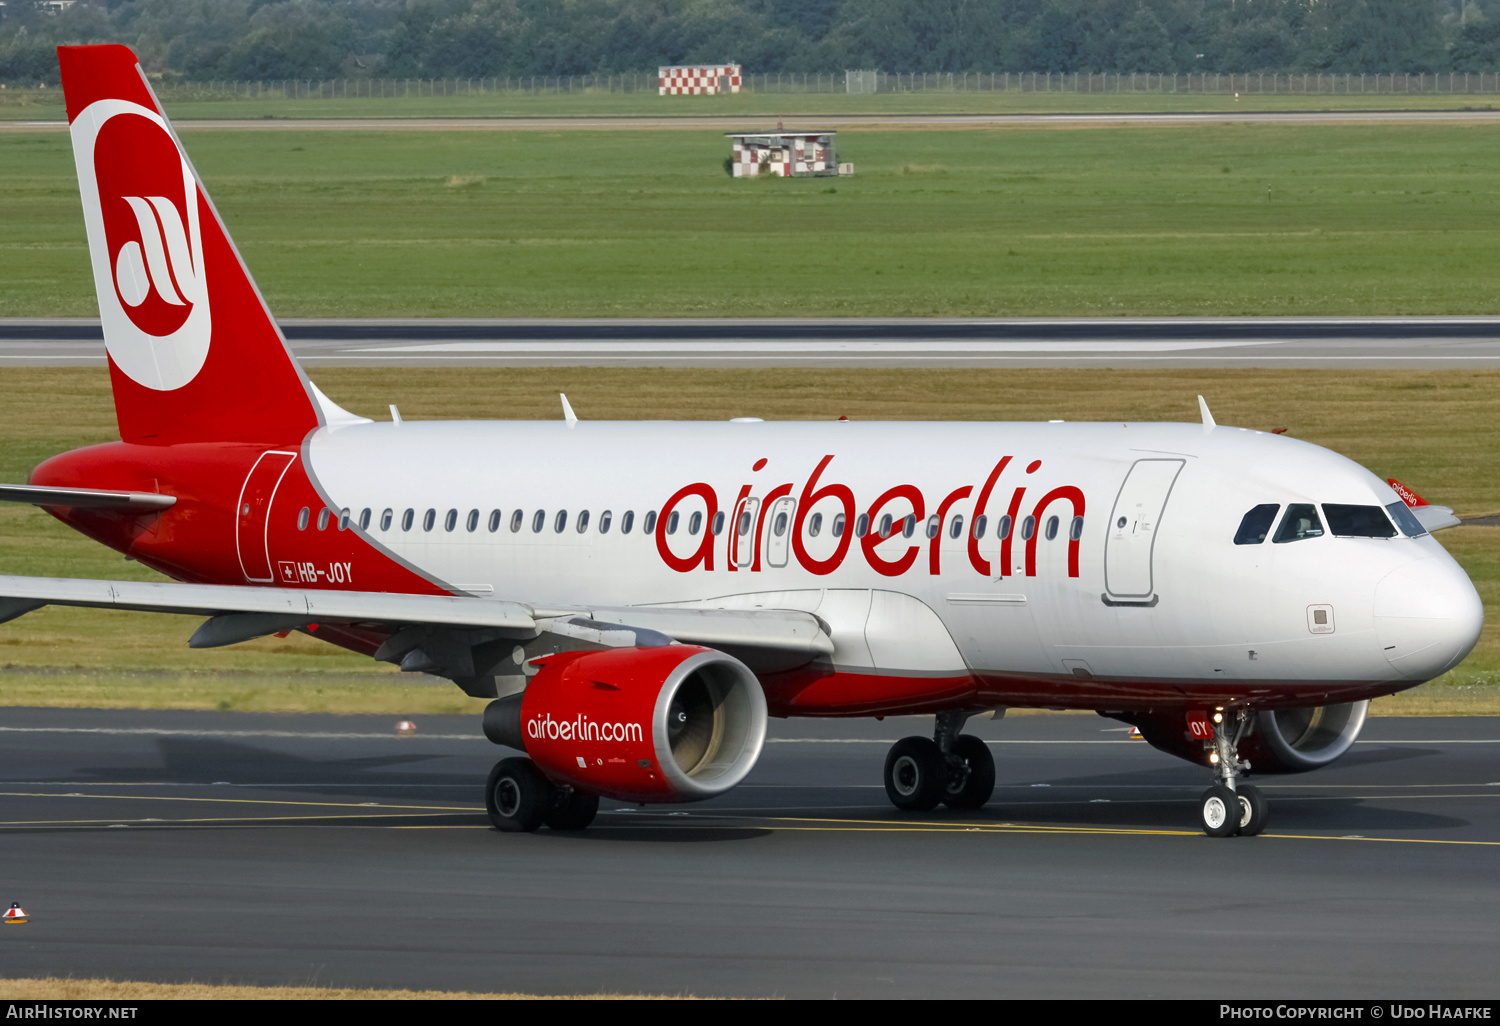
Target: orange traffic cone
x=15 y=914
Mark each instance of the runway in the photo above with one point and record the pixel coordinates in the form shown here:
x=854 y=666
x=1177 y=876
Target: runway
x=268 y=849
x=1354 y=343
x=804 y=122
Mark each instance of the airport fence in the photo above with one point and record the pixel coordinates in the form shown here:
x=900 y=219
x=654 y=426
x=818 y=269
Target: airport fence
x=1458 y=83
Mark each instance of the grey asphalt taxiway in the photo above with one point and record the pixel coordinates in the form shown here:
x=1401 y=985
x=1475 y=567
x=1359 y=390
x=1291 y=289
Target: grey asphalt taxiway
x=268 y=849
x=1351 y=343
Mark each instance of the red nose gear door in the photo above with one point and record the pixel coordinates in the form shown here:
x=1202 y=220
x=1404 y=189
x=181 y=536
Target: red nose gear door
x=253 y=514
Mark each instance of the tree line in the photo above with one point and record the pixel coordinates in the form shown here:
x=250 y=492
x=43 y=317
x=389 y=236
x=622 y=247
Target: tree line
x=265 y=40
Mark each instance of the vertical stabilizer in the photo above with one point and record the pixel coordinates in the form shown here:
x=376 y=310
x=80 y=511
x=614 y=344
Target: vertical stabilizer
x=194 y=355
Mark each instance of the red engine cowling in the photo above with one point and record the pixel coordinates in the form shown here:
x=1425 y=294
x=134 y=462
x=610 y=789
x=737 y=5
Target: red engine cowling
x=677 y=723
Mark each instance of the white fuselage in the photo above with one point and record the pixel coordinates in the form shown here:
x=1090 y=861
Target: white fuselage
x=1152 y=598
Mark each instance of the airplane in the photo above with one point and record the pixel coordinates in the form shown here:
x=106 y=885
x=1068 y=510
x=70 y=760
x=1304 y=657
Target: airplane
x=637 y=598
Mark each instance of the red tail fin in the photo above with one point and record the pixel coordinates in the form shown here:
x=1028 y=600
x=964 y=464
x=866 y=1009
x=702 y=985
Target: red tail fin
x=194 y=355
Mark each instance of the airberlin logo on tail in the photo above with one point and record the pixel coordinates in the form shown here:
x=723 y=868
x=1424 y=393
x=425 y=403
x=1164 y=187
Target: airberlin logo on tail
x=164 y=246
x=141 y=208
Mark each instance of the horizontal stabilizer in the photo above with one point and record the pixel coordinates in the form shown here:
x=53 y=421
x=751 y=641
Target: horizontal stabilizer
x=87 y=498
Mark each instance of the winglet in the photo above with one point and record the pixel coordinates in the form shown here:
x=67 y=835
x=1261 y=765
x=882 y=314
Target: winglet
x=1411 y=498
x=1208 y=418
x=568 y=414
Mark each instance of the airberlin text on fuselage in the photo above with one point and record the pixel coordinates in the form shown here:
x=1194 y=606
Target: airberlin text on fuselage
x=581 y=729
x=899 y=501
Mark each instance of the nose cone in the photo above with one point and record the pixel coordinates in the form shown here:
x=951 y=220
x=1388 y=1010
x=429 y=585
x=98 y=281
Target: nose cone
x=1427 y=617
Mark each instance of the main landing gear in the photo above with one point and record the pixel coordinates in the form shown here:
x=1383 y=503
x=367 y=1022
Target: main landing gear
x=1228 y=808
x=519 y=800
x=952 y=768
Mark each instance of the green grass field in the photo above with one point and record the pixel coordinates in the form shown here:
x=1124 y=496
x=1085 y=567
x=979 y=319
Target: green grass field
x=32 y=104
x=1207 y=220
x=1429 y=429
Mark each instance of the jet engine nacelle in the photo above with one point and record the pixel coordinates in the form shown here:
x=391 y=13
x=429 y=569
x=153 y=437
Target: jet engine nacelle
x=1279 y=741
x=675 y=723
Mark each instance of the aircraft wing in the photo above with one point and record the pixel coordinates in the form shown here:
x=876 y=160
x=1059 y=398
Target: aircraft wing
x=238 y=613
x=1435 y=518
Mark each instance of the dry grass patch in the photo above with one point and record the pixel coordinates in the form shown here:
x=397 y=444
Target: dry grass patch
x=55 y=988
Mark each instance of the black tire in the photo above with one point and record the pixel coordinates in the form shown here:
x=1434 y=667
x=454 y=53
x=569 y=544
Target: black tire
x=1254 y=810
x=1218 y=811
x=571 y=809
x=916 y=774
x=517 y=796
x=971 y=787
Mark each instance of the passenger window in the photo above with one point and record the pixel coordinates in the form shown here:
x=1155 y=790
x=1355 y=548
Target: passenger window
x=934 y=526
x=649 y=524
x=516 y=519
x=385 y=519
x=909 y=526
x=302 y=519
x=1301 y=521
x=364 y=519
x=344 y=519
x=407 y=519
x=1076 y=531
x=695 y=523
x=494 y=520
x=1052 y=525
x=1002 y=529
x=604 y=519
x=1406 y=520
x=838 y=525
x=956 y=529
x=538 y=521
x=323 y=517
x=472 y=523
x=429 y=520
x=814 y=525
x=862 y=525
x=451 y=520
x=1257 y=524
x=583 y=522
x=560 y=522
x=1028 y=528
x=1357 y=521
x=672 y=523
x=885 y=526
x=718 y=523
x=980 y=523
x=780 y=525
x=627 y=521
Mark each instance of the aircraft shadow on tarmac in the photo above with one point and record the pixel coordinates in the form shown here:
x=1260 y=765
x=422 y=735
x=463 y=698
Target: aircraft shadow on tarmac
x=204 y=761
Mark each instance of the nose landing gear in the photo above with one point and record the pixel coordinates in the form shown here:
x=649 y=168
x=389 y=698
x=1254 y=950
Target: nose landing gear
x=952 y=768
x=1228 y=808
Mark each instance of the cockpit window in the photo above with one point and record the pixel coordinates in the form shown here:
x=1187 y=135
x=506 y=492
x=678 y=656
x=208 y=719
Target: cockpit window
x=1257 y=524
x=1406 y=520
x=1301 y=521
x=1357 y=521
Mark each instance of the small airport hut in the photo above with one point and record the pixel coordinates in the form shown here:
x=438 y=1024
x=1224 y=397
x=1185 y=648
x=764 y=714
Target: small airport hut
x=697 y=79
x=788 y=154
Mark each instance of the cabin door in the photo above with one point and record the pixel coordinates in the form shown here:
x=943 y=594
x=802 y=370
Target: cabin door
x=253 y=516
x=1133 y=527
